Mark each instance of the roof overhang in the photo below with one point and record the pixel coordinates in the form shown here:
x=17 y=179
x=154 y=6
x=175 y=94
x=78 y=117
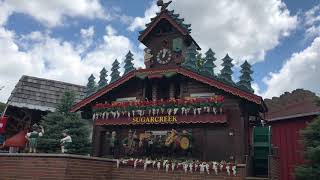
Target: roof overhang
x=31 y=106
x=316 y=113
x=156 y=72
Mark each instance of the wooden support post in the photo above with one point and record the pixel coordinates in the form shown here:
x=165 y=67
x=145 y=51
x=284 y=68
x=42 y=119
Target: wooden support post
x=171 y=91
x=154 y=92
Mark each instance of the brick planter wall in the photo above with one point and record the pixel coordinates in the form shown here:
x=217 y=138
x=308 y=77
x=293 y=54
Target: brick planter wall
x=72 y=167
x=53 y=167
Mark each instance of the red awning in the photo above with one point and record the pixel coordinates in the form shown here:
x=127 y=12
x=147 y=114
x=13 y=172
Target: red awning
x=181 y=119
x=18 y=140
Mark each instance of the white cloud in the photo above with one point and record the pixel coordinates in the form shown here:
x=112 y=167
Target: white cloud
x=256 y=89
x=244 y=29
x=114 y=47
x=5 y=12
x=57 y=59
x=87 y=33
x=300 y=71
x=52 y=12
x=140 y=22
x=312 y=22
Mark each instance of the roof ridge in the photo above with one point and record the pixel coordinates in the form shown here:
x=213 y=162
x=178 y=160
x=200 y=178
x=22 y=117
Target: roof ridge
x=50 y=80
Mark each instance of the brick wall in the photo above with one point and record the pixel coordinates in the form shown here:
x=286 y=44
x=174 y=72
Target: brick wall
x=53 y=167
x=71 y=167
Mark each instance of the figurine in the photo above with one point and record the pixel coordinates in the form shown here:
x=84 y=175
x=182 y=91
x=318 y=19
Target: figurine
x=65 y=142
x=147 y=57
x=114 y=144
x=33 y=136
x=129 y=144
x=163 y=5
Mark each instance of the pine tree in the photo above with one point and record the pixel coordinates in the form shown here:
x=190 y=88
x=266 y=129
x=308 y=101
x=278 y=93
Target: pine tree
x=128 y=66
x=115 y=74
x=103 y=78
x=311 y=137
x=208 y=66
x=245 y=78
x=226 y=72
x=55 y=123
x=91 y=86
x=191 y=57
x=199 y=61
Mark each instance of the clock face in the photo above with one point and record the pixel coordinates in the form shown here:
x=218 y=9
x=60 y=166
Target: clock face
x=164 y=56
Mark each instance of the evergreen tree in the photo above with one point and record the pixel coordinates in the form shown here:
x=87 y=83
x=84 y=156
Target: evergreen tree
x=55 y=123
x=2 y=107
x=245 y=78
x=199 y=61
x=311 y=140
x=91 y=86
x=191 y=57
x=115 y=74
x=226 y=72
x=208 y=66
x=128 y=66
x=103 y=78
x=66 y=103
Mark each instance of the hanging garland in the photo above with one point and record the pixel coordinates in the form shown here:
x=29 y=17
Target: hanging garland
x=186 y=166
x=195 y=106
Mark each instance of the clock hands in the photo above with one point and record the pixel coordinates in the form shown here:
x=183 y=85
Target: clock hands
x=164 y=53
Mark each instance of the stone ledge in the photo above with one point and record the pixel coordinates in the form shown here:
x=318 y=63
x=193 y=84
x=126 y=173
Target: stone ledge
x=70 y=156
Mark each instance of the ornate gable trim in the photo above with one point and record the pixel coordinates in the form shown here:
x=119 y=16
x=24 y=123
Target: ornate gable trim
x=164 y=15
x=156 y=72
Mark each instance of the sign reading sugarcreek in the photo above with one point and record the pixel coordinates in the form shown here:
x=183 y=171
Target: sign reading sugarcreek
x=154 y=120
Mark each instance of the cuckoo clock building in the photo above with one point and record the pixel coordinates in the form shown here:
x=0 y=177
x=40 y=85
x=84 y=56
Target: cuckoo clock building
x=176 y=106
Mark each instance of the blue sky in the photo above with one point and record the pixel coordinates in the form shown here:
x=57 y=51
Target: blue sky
x=69 y=40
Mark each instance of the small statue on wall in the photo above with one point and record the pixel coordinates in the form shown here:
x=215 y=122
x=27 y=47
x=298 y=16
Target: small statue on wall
x=129 y=144
x=114 y=144
x=33 y=136
x=171 y=138
x=147 y=57
x=65 y=142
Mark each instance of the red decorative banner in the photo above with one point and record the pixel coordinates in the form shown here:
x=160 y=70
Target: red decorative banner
x=164 y=119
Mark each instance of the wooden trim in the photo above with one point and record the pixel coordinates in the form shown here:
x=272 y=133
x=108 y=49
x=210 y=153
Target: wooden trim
x=156 y=21
x=189 y=119
x=212 y=82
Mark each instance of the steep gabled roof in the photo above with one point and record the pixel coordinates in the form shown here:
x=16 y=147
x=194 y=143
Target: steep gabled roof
x=174 y=20
x=162 y=72
x=41 y=94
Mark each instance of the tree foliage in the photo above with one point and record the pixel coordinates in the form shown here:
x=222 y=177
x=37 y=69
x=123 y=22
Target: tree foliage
x=115 y=73
x=103 y=78
x=226 y=72
x=55 y=123
x=311 y=139
x=2 y=107
x=91 y=85
x=128 y=66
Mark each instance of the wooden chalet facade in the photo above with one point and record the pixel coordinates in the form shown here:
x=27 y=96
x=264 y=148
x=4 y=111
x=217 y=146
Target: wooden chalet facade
x=174 y=92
